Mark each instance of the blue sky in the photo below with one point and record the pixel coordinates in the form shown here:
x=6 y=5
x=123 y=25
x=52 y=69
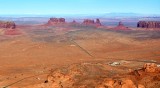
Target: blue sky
x=79 y=6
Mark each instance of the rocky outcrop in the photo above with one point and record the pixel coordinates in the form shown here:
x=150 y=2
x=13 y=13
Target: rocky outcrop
x=148 y=24
x=146 y=77
x=7 y=24
x=92 y=22
x=98 y=22
x=119 y=83
x=149 y=72
x=54 y=21
x=151 y=67
x=98 y=75
x=121 y=27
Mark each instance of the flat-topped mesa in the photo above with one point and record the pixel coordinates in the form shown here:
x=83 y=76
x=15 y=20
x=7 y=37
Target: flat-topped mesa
x=54 y=21
x=7 y=24
x=148 y=24
x=92 y=22
x=88 y=22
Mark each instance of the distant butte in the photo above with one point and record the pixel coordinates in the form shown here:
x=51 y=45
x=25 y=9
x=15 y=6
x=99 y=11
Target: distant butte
x=88 y=22
x=92 y=22
x=121 y=27
x=9 y=28
x=54 y=21
x=7 y=24
x=74 y=22
x=98 y=23
x=148 y=24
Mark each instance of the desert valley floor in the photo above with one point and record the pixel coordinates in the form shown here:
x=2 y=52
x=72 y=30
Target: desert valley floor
x=27 y=59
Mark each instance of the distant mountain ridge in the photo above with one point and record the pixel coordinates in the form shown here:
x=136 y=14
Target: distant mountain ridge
x=113 y=14
x=130 y=15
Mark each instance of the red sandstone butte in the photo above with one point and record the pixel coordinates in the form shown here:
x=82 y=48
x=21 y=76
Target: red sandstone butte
x=92 y=22
x=98 y=23
x=88 y=22
x=54 y=21
x=7 y=24
x=121 y=27
x=148 y=24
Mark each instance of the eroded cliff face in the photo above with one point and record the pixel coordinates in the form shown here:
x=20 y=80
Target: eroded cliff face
x=7 y=24
x=148 y=24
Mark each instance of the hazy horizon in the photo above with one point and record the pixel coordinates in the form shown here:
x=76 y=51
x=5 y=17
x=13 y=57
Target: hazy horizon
x=105 y=15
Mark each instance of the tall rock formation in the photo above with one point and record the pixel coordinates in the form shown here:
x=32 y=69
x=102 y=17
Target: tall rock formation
x=98 y=23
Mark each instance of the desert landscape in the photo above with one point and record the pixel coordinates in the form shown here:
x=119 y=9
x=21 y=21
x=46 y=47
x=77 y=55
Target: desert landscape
x=60 y=54
x=79 y=44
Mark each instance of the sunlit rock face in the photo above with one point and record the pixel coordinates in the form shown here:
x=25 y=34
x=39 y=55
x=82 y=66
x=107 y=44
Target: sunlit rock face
x=7 y=24
x=148 y=24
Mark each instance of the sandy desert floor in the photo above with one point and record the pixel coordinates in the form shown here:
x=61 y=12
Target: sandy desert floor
x=28 y=59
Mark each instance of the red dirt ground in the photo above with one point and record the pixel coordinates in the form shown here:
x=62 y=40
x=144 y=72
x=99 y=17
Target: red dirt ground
x=82 y=56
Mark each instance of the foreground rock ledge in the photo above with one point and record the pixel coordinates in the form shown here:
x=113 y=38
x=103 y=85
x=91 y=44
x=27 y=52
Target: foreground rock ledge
x=146 y=77
x=89 y=75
